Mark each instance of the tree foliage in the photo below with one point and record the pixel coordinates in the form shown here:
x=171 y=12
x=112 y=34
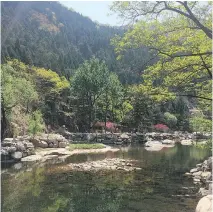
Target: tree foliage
x=180 y=39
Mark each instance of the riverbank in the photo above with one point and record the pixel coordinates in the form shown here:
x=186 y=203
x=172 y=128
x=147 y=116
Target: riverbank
x=202 y=176
x=23 y=146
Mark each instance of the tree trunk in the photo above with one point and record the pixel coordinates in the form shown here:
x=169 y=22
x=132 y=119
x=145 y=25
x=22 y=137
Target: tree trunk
x=3 y=122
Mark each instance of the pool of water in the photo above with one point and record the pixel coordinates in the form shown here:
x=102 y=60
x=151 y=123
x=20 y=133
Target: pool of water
x=158 y=186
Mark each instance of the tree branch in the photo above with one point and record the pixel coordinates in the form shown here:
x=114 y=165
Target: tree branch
x=207 y=31
x=205 y=66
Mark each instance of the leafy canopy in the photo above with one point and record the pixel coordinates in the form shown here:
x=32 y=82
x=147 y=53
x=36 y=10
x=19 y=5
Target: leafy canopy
x=181 y=45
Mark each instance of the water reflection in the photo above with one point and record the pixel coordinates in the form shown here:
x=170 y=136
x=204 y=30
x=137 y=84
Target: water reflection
x=152 y=189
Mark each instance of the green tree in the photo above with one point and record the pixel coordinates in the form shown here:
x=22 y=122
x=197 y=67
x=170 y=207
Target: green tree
x=181 y=41
x=170 y=119
x=89 y=83
x=36 y=123
x=199 y=123
x=18 y=94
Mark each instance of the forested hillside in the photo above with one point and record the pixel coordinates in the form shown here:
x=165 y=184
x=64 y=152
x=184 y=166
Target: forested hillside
x=49 y=35
x=60 y=68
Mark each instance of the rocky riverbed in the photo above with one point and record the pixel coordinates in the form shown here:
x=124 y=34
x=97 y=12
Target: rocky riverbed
x=106 y=164
x=202 y=176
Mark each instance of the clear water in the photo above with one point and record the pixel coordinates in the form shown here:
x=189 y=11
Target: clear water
x=157 y=187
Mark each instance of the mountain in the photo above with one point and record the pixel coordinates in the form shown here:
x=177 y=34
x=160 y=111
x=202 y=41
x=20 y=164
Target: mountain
x=49 y=35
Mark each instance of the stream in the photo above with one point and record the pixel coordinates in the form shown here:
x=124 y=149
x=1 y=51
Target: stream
x=158 y=186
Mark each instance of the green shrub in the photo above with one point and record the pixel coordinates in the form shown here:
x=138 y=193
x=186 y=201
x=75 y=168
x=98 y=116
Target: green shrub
x=36 y=123
x=170 y=119
x=200 y=124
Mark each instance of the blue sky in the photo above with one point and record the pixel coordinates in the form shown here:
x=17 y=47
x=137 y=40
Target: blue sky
x=95 y=10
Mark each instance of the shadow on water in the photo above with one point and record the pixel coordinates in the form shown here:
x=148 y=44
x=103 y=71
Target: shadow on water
x=154 y=188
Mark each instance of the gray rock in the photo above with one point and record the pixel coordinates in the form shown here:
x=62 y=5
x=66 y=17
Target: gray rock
x=196 y=180
x=8 y=143
x=32 y=158
x=28 y=144
x=20 y=146
x=24 y=154
x=16 y=155
x=50 y=145
x=17 y=166
x=168 y=141
x=35 y=141
x=197 y=173
x=205 y=175
x=193 y=170
x=124 y=136
x=186 y=142
x=9 y=140
x=62 y=144
x=43 y=144
x=188 y=174
x=209 y=162
x=4 y=152
x=11 y=149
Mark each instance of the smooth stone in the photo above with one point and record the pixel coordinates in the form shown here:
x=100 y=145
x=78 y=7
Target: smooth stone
x=62 y=144
x=199 y=165
x=188 y=174
x=43 y=144
x=193 y=170
x=197 y=173
x=28 y=145
x=205 y=204
x=16 y=155
x=186 y=142
x=167 y=141
x=9 y=140
x=17 y=166
x=20 y=146
x=205 y=175
x=32 y=158
x=203 y=192
x=50 y=145
x=11 y=149
x=124 y=136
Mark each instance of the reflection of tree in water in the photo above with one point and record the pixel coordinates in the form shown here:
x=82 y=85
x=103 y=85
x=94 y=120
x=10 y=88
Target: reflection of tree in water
x=17 y=188
x=160 y=178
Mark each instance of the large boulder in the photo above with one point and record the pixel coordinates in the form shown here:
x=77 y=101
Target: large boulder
x=205 y=204
x=62 y=144
x=209 y=163
x=186 y=142
x=11 y=149
x=20 y=146
x=43 y=144
x=124 y=136
x=17 y=155
x=32 y=158
x=168 y=141
x=35 y=141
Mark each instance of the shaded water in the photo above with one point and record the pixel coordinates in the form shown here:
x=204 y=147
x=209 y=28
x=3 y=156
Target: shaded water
x=152 y=189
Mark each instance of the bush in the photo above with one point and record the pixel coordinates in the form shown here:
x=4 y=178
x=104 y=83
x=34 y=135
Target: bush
x=200 y=124
x=36 y=123
x=170 y=119
x=161 y=127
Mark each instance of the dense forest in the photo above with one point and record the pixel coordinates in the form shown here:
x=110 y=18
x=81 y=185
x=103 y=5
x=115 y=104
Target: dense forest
x=60 y=68
x=51 y=36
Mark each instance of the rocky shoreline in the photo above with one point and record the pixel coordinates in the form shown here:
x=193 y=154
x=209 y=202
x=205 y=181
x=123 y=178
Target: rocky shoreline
x=15 y=149
x=202 y=176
